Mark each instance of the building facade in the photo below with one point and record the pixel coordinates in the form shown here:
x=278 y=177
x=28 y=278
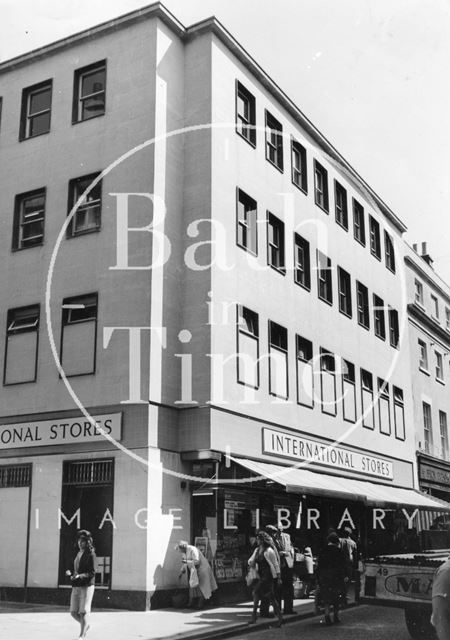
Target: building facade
x=227 y=300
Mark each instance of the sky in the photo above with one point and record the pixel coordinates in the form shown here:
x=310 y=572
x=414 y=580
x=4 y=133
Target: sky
x=372 y=75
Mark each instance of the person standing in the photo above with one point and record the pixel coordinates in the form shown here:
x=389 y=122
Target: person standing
x=265 y=560
x=195 y=563
x=285 y=549
x=331 y=575
x=83 y=581
x=440 y=598
x=350 y=552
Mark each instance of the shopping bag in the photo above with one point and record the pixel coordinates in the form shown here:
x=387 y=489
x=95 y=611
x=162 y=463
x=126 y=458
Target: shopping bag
x=193 y=578
x=252 y=576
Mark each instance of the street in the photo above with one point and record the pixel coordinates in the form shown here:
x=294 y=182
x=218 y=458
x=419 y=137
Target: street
x=378 y=623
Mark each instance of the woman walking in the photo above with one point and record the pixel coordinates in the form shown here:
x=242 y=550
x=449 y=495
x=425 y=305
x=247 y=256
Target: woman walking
x=331 y=577
x=201 y=578
x=265 y=560
x=83 y=579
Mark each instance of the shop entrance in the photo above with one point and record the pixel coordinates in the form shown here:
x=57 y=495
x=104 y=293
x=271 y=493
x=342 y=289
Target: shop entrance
x=88 y=488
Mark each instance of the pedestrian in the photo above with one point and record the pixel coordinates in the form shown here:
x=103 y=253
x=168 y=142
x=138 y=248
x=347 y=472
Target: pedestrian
x=307 y=571
x=266 y=562
x=285 y=550
x=83 y=580
x=331 y=577
x=440 y=598
x=270 y=529
x=200 y=575
x=350 y=552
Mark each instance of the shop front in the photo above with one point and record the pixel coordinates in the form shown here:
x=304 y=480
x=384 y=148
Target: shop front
x=434 y=479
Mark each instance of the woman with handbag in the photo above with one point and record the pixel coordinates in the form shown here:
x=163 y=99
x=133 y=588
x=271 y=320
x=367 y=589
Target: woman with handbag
x=83 y=580
x=200 y=575
x=265 y=561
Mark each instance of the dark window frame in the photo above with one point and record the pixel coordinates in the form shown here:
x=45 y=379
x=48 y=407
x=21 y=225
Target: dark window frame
x=324 y=282
x=25 y=116
x=384 y=394
x=307 y=359
x=362 y=313
x=327 y=356
x=66 y=322
x=18 y=243
x=341 y=205
x=240 y=329
x=36 y=308
x=301 y=243
x=250 y=122
x=379 y=317
x=73 y=196
x=375 y=238
x=398 y=401
x=389 y=252
x=302 y=172
x=274 y=141
x=321 y=193
x=359 y=223
x=394 y=329
x=345 y=297
x=285 y=350
x=277 y=224
x=349 y=379
x=77 y=110
x=364 y=373
x=242 y=198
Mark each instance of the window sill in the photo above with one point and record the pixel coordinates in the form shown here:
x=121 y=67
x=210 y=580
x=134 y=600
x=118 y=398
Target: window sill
x=281 y=270
x=425 y=371
x=300 y=188
x=99 y=115
x=375 y=255
x=436 y=320
x=441 y=381
x=347 y=315
x=392 y=270
x=303 y=286
x=328 y=302
x=361 y=242
x=36 y=135
x=241 y=135
x=252 y=253
x=274 y=164
x=33 y=246
x=77 y=234
x=342 y=225
x=364 y=326
x=380 y=337
x=322 y=207
x=14 y=384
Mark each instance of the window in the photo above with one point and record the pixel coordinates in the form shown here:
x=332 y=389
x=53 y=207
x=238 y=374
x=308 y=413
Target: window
x=299 y=172
x=423 y=356
x=435 y=307
x=274 y=141
x=89 y=92
x=375 y=241
x=447 y=319
x=384 y=415
x=379 y=319
x=359 y=227
x=368 y=417
x=362 y=303
x=21 y=351
x=389 y=252
x=15 y=475
x=245 y=114
x=348 y=391
x=36 y=110
x=439 y=367
x=321 y=186
x=247 y=223
x=418 y=292
x=399 y=413
x=305 y=384
x=79 y=335
x=302 y=266
x=443 y=431
x=340 y=201
x=248 y=347
x=427 y=428
x=29 y=215
x=345 y=292
x=278 y=360
x=328 y=382
x=324 y=281
x=394 y=333
x=275 y=243
x=87 y=216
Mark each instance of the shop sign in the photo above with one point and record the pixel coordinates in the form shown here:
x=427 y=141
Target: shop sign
x=64 y=431
x=287 y=445
x=440 y=476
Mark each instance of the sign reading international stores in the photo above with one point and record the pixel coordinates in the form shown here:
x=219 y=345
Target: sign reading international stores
x=302 y=449
x=67 y=430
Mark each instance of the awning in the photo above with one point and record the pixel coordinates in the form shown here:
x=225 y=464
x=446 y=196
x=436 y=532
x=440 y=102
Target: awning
x=323 y=484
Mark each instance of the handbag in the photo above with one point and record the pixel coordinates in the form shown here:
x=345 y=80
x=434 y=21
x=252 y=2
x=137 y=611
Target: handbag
x=193 y=578
x=252 y=576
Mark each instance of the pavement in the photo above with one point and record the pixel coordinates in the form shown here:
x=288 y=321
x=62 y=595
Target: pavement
x=21 y=621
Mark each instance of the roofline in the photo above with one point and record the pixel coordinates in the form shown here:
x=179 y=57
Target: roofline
x=426 y=272
x=158 y=10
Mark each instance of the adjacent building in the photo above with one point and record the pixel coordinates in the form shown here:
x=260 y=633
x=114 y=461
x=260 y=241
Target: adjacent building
x=226 y=298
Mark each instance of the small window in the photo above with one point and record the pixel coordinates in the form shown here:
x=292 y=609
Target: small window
x=423 y=356
x=345 y=292
x=348 y=391
x=384 y=413
x=304 y=349
x=275 y=243
x=359 y=227
x=15 y=475
x=299 y=172
x=247 y=223
x=21 y=350
x=248 y=347
x=375 y=241
x=399 y=413
x=324 y=280
x=443 y=434
x=278 y=360
x=302 y=265
x=447 y=319
x=87 y=216
x=245 y=114
x=29 y=216
x=362 y=302
x=89 y=95
x=435 y=307
x=389 y=252
x=328 y=382
x=394 y=333
x=379 y=317
x=274 y=141
x=367 y=404
x=79 y=335
x=321 y=186
x=427 y=428
x=439 y=366
x=366 y=380
x=36 y=110
x=340 y=198
x=418 y=292
x=305 y=377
